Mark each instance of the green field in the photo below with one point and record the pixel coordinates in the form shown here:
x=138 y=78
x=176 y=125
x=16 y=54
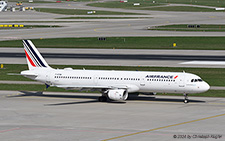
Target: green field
x=145 y=4
x=216 y=3
x=184 y=27
x=214 y=76
x=148 y=5
x=103 y=17
x=40 y=26
x=182 y=9
x=22 y=22
x=127 y=5
x=35 y=1
x=189 y=43
x=83 y=0
x=79 y=12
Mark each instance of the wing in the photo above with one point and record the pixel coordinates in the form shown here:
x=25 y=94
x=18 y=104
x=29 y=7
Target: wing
x=129 y=87
x=80 y=87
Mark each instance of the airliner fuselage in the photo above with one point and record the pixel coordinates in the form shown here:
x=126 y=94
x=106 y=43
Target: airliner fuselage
x=135 y=81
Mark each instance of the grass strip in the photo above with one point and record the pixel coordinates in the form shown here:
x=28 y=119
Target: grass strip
x=32 y=87
x=150 y=3
x=184 y=27
x=40 y=21
x=126 y=5
x=214 y=76
x=192 y=43
x=35 y=1
x=217 y=3
x=104 y=18
x=182 y=9
x=80 y=12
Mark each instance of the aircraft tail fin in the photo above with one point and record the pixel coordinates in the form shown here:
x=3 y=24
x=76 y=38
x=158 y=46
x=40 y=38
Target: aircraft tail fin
x=34 y=58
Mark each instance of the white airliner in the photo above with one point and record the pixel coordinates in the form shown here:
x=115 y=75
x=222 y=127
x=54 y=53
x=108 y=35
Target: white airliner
x=114 y=85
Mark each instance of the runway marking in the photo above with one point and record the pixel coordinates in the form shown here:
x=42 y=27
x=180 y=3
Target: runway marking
x=212 y=16
x=205 y=62
x=9 y=95
x=217 y=103
x=164 y=127
x=2 y=131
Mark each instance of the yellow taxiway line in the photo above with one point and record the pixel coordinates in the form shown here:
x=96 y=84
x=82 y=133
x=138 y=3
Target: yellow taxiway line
x=164 y=127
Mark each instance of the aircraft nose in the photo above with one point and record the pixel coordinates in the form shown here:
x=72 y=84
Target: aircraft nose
x=206 y=87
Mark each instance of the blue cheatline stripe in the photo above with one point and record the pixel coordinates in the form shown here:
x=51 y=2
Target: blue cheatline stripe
x=32 y=50
x=31 y=55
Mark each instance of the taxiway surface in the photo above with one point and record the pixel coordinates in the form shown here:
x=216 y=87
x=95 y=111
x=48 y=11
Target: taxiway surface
x=57 y=116
x=104 y=27
x=121 y=57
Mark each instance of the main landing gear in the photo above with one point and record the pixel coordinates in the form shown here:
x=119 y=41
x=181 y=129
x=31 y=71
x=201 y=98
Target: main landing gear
x=186 y=100
x=102 y=99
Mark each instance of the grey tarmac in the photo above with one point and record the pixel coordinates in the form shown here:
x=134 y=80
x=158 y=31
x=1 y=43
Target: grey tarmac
x=106 y=27
x=160 y=62
x=57 y=116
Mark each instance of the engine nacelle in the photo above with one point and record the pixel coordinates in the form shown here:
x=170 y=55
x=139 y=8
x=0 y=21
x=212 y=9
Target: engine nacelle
x=118 y=94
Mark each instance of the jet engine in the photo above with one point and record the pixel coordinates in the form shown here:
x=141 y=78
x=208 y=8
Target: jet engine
x=118 y=94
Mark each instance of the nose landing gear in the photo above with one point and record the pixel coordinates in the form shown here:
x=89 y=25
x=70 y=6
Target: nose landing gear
x=186 y=100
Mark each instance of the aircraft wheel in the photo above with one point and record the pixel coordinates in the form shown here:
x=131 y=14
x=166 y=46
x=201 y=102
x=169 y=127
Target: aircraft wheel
x=186 y=98
x=102 y=99
x=186 y=101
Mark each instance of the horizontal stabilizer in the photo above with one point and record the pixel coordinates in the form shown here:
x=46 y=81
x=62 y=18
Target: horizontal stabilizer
x=14 y=74
x=28 y=73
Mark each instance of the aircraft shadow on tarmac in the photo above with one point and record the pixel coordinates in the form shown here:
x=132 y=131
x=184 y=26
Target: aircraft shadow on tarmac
x=153 y=98
x=95 y=98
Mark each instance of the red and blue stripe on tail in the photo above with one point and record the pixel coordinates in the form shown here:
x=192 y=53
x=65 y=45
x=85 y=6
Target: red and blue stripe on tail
x=34 y=58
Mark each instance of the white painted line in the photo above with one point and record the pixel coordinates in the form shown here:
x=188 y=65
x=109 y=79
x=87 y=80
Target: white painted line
x=204 y=62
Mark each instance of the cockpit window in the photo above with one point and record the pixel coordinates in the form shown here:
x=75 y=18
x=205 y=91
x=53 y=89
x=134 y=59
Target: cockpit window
x=196 y=80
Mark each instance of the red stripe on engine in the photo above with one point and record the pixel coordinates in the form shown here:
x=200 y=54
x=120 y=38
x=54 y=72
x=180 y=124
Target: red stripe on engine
x=28 y=57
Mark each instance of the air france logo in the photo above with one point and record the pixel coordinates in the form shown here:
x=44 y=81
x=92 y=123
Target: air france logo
x=175 y=77
x=162 y=76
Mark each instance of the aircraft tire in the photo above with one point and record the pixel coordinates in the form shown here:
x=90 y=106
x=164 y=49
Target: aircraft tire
x=102 y=99
x=186 y=101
